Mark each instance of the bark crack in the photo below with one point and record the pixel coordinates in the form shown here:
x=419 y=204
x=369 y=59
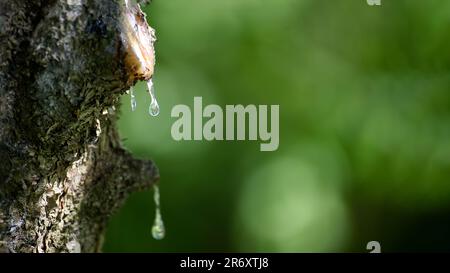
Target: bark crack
x=63 y=66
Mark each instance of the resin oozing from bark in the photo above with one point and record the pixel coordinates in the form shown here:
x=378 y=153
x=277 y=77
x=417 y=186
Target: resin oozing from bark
x=138 y=39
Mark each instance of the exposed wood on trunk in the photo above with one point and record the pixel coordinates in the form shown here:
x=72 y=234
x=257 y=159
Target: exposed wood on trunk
x=63 y=172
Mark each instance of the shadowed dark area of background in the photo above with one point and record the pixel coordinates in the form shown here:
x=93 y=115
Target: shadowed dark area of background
x=364 y=128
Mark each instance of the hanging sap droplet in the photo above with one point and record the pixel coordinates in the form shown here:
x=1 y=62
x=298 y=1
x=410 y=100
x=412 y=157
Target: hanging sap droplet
x=133 y=99
x=153 y=109
x=158 y=230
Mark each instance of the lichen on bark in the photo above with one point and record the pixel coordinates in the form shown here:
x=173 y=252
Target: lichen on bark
x=63 y=171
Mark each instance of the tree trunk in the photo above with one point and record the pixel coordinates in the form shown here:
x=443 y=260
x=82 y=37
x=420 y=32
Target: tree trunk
x=63 y=172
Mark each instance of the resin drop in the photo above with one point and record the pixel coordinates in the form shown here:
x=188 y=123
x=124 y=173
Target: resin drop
x=133 y=99
x=153 y=110
x=158 y=230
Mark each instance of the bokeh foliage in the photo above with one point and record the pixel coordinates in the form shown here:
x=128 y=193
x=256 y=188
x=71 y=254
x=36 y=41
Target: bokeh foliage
x=364 y=95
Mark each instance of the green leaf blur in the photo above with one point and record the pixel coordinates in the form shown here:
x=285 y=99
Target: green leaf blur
x=364 y=95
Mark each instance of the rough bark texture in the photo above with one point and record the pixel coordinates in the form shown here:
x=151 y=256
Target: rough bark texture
x=63 y=171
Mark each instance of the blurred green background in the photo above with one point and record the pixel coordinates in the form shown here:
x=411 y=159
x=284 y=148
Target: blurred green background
x=364 y=95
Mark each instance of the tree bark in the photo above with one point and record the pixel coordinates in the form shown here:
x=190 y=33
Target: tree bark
x=63 y=172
